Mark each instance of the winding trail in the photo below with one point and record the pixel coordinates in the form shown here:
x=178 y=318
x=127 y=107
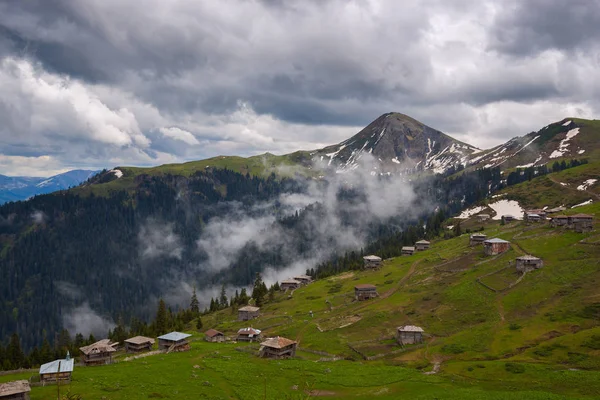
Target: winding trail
x=553 y=179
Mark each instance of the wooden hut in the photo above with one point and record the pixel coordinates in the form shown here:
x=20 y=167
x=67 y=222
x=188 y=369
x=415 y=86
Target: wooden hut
x=528 y=263
x=539 y=212
x=409 y=334
x=422 y=245
x=290 y=284
x=278 y=347
x=365 y=291
x=15 y=390
x=533 y=217
x=138 y=344
x=581 y=222
x=98 y=353
x=494 y=246
x=304 y=279
x=247 y=313
x=559 y=220
x=372 y=262
x=477 y=238
x=57 y=370
x=212 y=335
x=249 y=335
x=174 y=341
x=407 y=250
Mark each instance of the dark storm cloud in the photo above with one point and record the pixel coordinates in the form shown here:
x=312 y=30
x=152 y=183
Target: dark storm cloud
x=525 y=28
x=112 y=82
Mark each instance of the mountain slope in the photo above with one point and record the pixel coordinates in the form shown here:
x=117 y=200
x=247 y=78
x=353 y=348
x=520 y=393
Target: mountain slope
x=397 y=142
x=21 y=187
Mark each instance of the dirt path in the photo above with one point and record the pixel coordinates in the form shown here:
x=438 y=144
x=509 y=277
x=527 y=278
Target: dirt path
x=500 y=307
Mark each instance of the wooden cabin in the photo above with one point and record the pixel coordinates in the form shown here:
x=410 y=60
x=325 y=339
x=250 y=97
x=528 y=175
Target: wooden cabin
x=138 y=344
x=581 y=222
x=528 y=263
x=492 y=247
x=477 y=238
x=304 y=279
x=290 y=284
x=98 y=353
x=407 y=250
x=247 y=313
x=249 y=335
x=278 y=347
x=482 y=217
x=212 y=335
x=508 y=218
x=422 y=245
x=559 y=220
x=174 y=341
x=372 y=262
x=409 y=334
x=533 y=217
x=57 y=370
x=15 y=390
x=365 y=291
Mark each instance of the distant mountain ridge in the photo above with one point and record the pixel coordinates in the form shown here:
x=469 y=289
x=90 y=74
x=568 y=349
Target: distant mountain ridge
x=15 y=188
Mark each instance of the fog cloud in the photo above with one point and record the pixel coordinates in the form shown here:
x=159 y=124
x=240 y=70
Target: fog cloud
x=83 y=319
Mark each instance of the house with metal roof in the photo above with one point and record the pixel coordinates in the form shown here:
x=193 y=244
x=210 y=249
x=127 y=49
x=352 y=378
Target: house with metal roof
x=304 y=279
x=249 y=335
x=174 y=341
x=247 y=313
x=138 y=344
x=57 y=370
x=407 y=251
x=365 y=291
x=477 y=238
x=528 y=263
x=15 y=390
x=492 y=247
x=278 y=347
x=213 y=335
x=409 y=334
x=422 y=245
x=372 y=261
x=290 y=284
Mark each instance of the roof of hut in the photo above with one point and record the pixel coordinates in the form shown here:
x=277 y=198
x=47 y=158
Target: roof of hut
x=408 y=248
x=140 y=340
x=410 y=328
x=57 y=366
x=496 y=240
x=213 y=333
x=528 y=258
x=249 y=331
x=14 y=387
x=581 y=216
x=372 y=258
x=175 y=336
x=291 y=281
x=423 y=242
x=365 y=286
x=101 y=346
x=249 y=308
x=278 y=342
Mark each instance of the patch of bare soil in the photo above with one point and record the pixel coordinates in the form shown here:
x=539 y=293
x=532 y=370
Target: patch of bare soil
x=341 y=277
x=319 y=393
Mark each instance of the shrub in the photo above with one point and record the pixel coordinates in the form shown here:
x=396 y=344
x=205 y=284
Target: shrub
x=593 y=342
x=388 y=282
x=514 y=327
x=453 y=349
x=514 y=368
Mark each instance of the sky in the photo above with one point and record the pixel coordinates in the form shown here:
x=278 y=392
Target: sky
x=103 y=83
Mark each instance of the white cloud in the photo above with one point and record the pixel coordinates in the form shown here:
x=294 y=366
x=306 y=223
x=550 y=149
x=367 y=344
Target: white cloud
x=180 y=134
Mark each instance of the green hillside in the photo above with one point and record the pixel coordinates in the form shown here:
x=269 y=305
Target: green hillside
x=538 y=339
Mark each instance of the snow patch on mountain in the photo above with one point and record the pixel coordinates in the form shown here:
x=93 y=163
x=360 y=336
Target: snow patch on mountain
x=585 y=203
x=585 y=185
x=470 y=212
x=118 y=173
x=563 y=147
x=506 y=207
x=566 y=123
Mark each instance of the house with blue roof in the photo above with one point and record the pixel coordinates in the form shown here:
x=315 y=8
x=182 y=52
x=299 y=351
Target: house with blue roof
x=174 y=341
x=57 y=370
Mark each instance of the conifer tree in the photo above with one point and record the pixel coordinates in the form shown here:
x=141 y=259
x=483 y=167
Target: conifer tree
x=161 y=321
x=223 y=298
x=194 y=304
x=199 y=323
x=259 y=290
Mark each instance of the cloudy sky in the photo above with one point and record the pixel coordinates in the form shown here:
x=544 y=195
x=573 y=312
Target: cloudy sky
x=100 y=83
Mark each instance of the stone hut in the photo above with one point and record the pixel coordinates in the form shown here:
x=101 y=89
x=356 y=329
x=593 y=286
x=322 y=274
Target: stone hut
x=559 y=220
x=174 y=341
x=304 y=279
x=138 y=344
x=494 y=246
x=422 y=245
x=247 y=313
x=278 y=347
x=98 y=353
x=407 y=251
x=477 y=238
x=482 y=217
x=15 y=390
x=409 y=334
x=213 y=335
x=581 y=222
x=365 y=291
x=372 y=262
x=508 y=218
x=249 y=335
x=528 y=263
x=57 y=370
x=290 y=284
